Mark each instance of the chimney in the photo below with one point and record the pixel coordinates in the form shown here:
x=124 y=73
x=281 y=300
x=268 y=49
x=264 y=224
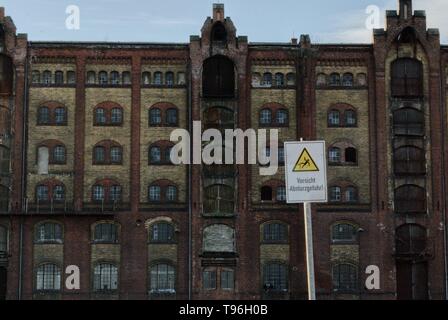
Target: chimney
x=2 y=12
x=218 y=12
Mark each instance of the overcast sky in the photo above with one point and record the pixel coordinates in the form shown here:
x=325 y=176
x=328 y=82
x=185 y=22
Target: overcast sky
x=175 y=20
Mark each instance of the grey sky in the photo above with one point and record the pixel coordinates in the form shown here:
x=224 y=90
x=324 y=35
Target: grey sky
x=175 y=20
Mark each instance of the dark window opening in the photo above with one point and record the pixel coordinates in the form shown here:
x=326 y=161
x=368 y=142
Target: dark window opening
x=351 y=156
x=218 y=78
x=344 y=232
x=6 y=75
x=266 y=193
x=410 y=239
x=219 y=33
x=345 y=278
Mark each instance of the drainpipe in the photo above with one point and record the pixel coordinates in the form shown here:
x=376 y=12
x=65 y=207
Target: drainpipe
x=23 y=177
x=444 y=204
x=190 y=199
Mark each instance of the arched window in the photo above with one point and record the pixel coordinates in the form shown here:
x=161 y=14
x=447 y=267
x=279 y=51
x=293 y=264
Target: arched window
x=281 y=194
x=275 y=277
x=266 y=193
x=107 y=191
x=407 y=78
x=265 y=117
x=256 y=79
x=410 y=239
x=409 y=160
x=50 y=191
x=71 y=77
x=321 y=80
x=158 y=78
x=169 y=78
x=334 y=118
x=345 y=233
x=347 y=80
x=46 y=77
x=350 y=118
x=334 y=155
x=224 y=233
x=291 y=79
x=105 y=233
x=335 y=79
x=361 y=79
x=279 y=79
x=171 y=117
x=114 y=78
x=163 y=279
x=100 y=116
x=409 y=121
x=48 y=277
x=351 y=156
x=181 y=79
x=59 y=155
x=282 y=117
x=105 y=278
x=3 y=240
x=116 y=117
x=155 y=194
x=35 y=77
x=345 y=278
x=219 y=199
x=126 y=78
x=410 y=199
x=219 y=33
x=351 y=194
x=59 y=77
x=162 y=232
x=267 y=79
x=275 y=232
x=218 y=78
x=43 y=116
x=48 y=232
x=335 y=194
x=60 y=116
x=155 y=155
x=102 y=78
x=99 y=155
x=146 y=78
x=155 y=116
x=91 y=77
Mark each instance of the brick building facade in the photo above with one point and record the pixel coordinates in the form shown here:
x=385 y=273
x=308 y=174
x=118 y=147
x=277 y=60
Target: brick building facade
x=86 y=178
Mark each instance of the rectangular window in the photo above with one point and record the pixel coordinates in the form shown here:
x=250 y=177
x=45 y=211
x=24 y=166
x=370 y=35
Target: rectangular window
x=209 y=279
x=227 y=279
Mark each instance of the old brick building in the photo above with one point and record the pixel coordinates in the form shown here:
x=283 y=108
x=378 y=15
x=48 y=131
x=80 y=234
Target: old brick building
x=86 y=178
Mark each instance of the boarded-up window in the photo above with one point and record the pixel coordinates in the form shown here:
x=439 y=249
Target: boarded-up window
x=410 y=239
x=407 y=78
x=43 y=159
x=219 y=238
x=410 y=199
x=409 y=160
x=409 y=121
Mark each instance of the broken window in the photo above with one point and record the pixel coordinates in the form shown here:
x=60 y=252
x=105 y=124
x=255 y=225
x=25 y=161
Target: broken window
x=219 y=238
x=351 y=156
x=219 y=199
x=266 y=193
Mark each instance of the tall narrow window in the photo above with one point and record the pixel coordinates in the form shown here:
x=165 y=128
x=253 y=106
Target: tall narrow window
x=43 y=117
x=267 y=79
x=146 y=78
x=46 y=77
x=158 y=78
x=155 y=116
x=347 y=80
x=282 y=117
x=155 y=194
x=279 y=79
x=334 y=118
x=209 y=279
x=227 y=279
x=102 y=78
x=48 y=278
x=163 y=279
x=169 y=78
x=126 y=78
x=60 y=116
x=105 y=277
x=171 y=117
x=3 y=240
x=334 y=155
x=91 y=77
x=100 y=116
x=335 y=79
x=59 y=155
x=275 y=277
x=265 y=117
x=71 y=77
x=335 y=194
x=59 y=77
x=36 y=77
x=114 y=78
x=116 y=116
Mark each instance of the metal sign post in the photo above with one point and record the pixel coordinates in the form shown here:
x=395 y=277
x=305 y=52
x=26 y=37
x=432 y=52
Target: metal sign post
x=306 y=182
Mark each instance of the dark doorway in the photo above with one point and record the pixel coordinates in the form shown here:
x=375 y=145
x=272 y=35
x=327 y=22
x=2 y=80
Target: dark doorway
x=412 y=280
x=218 y=78
x=3 y=283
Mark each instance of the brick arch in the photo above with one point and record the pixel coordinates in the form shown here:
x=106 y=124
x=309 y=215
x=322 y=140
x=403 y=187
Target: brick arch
x=342 y=107
x=163 y=106
x=395 y=33
x=108 y=144
x=108 y=105
x=106 y=182
x=273 y=106
x=163 y=183
x=51 y=104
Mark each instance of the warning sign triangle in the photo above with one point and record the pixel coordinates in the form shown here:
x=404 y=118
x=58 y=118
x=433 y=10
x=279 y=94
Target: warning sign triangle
x=305 y=163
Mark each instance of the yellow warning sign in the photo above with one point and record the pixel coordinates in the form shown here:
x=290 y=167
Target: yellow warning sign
x=305 y=163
